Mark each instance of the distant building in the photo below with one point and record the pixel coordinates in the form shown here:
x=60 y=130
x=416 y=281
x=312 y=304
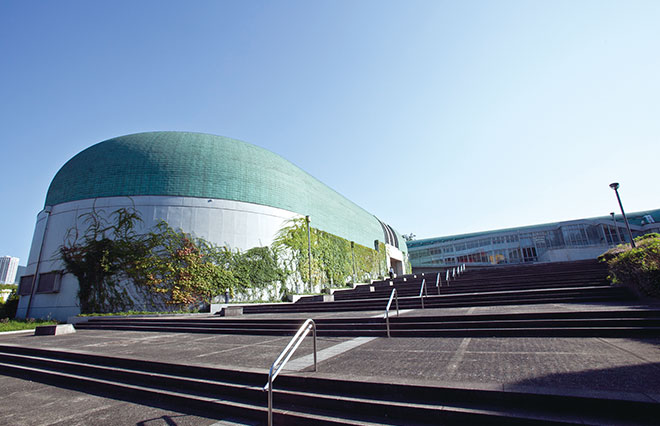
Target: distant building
x=19 y=274
x=550 y=242
x=8 y=269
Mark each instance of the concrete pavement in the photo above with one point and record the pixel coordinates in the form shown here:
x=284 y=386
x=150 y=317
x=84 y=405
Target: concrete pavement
x=620 y=367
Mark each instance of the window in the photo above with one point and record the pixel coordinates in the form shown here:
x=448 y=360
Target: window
x=25 y=285
x=529 y=254
x=611 y=235
x=49 y=282
x=575 y=235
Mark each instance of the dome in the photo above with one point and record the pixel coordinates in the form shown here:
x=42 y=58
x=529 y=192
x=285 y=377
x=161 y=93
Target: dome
x=207 y=166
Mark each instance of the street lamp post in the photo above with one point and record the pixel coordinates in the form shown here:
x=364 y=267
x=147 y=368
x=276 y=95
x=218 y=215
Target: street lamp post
x=353 y=255
x=615 y=187
x=309 y=253
x=618 y=235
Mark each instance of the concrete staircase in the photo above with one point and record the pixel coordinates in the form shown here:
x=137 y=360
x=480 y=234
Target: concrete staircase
x=301 y=400
x=513 y=278
x=582 y=281
x=563 y=283
x=607 y=323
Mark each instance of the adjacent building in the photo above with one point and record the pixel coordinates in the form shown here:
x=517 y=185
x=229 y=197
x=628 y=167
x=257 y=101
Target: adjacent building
x=226 y=191
x=8 y=269
x=549 y=242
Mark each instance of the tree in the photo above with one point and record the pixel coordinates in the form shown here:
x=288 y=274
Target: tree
x=409 y=237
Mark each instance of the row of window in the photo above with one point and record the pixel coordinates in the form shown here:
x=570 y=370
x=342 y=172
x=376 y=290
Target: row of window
x=48 y=282
x=572 y=235
x=495 y=257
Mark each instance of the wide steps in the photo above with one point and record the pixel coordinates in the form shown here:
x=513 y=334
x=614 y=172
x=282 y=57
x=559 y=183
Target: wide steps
x=457 y=289
x=626 y=323
x=299 y=400
x=568 y=295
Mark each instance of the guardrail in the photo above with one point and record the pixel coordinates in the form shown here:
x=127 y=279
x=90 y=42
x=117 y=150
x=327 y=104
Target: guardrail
x=284 y=357
x=423 y=289
x=393 y=295
x=438 y=283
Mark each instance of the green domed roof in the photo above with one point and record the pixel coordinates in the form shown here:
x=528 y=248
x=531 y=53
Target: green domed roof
x=207 y=166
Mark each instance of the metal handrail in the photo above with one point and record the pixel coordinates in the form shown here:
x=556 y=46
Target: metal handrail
x=438 y=284
x=387 y=309
x=284 y=357
x=447 y=277
x=423 y=289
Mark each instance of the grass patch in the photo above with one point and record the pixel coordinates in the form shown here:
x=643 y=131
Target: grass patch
x=14 y=325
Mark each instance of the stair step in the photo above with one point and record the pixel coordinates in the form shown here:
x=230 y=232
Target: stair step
x=307 y=400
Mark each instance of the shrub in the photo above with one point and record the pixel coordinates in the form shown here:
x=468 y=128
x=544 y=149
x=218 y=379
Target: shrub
x=638 y=268
x=8 y=309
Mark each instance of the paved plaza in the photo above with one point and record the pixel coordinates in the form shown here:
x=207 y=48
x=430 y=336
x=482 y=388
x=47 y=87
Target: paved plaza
x=623 y=368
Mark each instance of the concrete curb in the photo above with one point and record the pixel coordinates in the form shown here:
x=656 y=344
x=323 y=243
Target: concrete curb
x=4 y=333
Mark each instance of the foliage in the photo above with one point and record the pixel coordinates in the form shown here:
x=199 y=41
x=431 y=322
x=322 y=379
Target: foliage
x=165 y=266
x=8 y=286
x=8 y=308
x=181 y=270
x=102 y=257
x=335 y=261
x=409 y=237
x=258 y=267
x=14 y=325
x=638 y=268
x=168 y=267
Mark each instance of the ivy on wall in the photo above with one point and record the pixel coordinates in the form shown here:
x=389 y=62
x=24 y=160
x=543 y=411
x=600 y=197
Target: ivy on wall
x=335 y=260
x=171 y=267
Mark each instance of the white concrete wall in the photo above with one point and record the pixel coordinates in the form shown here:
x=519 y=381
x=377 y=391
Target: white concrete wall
x=235 y=224
x=394 y=253
x=570 y=254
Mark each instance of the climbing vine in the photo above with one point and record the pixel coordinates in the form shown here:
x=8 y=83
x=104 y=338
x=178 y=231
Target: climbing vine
x=103 y=257
x=181 y=270
x=118 y=268
x=335 y=260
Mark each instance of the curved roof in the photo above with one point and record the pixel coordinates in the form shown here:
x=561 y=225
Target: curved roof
x=208 y=166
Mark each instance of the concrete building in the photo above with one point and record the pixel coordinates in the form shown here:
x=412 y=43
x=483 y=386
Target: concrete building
x=8 y=269
x=226 y=191
x=550 y=242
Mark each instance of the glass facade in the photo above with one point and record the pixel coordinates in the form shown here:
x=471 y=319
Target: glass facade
x=529 y=244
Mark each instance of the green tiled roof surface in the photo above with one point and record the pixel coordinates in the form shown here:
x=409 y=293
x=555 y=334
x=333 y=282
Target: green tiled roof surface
x=208 y=166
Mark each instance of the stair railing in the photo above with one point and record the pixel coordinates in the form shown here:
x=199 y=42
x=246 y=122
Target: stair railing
x=447 y=277
x=394 y=295
x=284 y=357
x=423 y=289
x=438 y=283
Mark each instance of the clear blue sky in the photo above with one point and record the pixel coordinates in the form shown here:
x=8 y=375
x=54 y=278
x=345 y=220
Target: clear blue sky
x=440 y=117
